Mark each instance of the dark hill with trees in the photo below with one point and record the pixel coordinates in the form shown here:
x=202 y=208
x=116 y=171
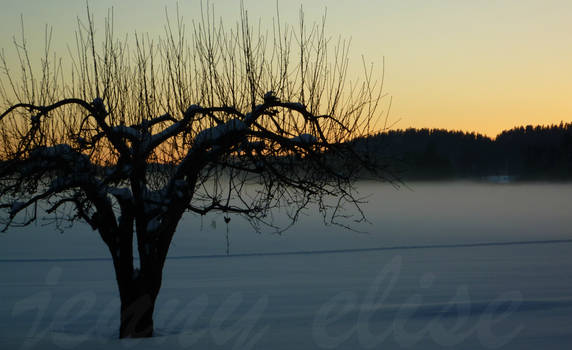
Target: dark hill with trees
x=522 y=153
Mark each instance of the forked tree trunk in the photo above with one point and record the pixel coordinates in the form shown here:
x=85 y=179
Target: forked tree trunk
x=137 y=305
x=138 y=291
x=139 y=288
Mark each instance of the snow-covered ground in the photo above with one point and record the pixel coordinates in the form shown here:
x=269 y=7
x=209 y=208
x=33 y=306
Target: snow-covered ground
x=447 y=265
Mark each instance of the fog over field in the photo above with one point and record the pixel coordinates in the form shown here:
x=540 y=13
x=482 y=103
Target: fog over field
x=452 y=264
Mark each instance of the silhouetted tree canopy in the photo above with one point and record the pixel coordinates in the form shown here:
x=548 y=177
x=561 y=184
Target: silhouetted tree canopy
x=132 y=134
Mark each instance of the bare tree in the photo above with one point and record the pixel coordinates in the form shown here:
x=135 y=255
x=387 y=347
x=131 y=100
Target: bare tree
x=131 y=134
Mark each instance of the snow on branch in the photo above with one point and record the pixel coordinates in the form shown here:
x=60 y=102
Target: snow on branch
x=154 y=224
x=59 y=157
x=211 y=135
x=153 y=121
x=61 y=150
x=126 y=131
x=121 y=193
x=189 y=116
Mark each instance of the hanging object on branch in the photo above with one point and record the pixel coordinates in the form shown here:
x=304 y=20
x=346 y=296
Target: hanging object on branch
x=227 y=220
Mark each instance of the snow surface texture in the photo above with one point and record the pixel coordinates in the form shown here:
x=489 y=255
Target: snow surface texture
x=420 y=279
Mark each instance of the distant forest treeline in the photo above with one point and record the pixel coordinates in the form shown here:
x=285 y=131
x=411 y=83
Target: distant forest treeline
x=522 y=153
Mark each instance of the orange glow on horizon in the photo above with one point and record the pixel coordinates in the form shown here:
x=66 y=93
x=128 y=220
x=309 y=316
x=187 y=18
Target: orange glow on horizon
x=479 y=67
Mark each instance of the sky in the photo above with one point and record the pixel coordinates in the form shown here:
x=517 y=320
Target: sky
x=472 y=65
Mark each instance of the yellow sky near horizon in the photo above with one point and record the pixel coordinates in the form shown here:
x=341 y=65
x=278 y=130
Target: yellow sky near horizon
x=472 y=65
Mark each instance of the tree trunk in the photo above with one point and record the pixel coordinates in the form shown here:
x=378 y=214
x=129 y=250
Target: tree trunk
x=138 y=298
x=138 y=288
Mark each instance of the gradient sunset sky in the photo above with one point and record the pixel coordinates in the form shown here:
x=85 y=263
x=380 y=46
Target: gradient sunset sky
x=469 y=65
